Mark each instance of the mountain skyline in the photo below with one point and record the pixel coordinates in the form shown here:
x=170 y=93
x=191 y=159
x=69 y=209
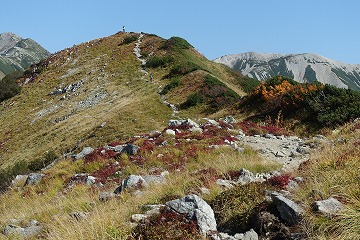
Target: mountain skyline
x=305 y=67
x=214 y=28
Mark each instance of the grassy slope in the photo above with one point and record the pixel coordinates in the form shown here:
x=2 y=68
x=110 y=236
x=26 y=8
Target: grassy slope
x=132 y=106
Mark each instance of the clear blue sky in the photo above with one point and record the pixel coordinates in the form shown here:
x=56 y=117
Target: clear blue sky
x=214 y=27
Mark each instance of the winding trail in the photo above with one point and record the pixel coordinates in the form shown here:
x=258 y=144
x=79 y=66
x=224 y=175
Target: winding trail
x=137 y=52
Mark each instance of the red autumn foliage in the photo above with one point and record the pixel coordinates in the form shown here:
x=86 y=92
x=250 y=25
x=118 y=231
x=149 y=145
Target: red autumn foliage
x=280 y=181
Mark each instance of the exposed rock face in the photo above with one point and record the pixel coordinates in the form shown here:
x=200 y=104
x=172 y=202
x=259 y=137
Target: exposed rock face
x=328 y=207
x=195 y=208
x=304 y=67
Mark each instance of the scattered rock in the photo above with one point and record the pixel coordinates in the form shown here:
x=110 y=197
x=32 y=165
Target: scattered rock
x=269 y=226
x=78 y=216
x=152 y=209
x=130 y=149
x=246 y=177
x=133 y=182
x=226 y=184
x=170 y=132
x=33 y=178
x=195 y=208
x=83 y=153
x=288 y=209
x=249 y=235
x=19 y=180
x=13 y=228
x=138 y=217
x=328 y=207
x=229 y=119
x=106 y=196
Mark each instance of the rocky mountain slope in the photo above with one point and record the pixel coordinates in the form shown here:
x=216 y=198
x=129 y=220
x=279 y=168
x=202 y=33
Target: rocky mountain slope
x=92 y=154
x=304 y=67
x=17 y=54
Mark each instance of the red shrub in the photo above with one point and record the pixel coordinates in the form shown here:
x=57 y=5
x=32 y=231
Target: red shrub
x=280 y=181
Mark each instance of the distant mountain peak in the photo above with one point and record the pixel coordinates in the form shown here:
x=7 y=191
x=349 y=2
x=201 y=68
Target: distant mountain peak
x=302 y=67
x=16 y=53
x=7 y=41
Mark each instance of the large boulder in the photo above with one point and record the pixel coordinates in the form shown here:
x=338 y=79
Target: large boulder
x=195 y=208
x=288 y=209
x=328 y=207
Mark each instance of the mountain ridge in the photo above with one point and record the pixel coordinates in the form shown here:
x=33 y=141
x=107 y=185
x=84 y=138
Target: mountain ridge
x=302 y=67
x=17 y=53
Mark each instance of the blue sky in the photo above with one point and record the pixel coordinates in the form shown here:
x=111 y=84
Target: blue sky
x=330 y=28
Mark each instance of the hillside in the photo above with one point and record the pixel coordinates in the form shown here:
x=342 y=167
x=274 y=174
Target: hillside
x=17 y=54
x=98 y=92
x=100 y=144
x=304 y=67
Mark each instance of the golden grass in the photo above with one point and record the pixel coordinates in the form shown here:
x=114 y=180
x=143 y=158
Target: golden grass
x=334 y=172
x=110 y=220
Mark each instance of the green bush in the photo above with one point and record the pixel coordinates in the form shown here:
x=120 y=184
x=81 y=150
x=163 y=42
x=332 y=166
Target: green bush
x=333 y=106
x=183 y=69
x=22 y=167
x=175 y=82
x=193 y=100
x=156 y=61
x=8 y=86
x=130 y=39
x=176 y=43
x=40 y=163
x=233 y=208
x=249 y=84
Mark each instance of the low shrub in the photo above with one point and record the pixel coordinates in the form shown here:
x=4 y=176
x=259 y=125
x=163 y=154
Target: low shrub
x=176 y=43
x=167 y=225
x=234 y=207
x=156 y=61
x=175 y=82
x=8 y=86
x=40 y=163
x=130 y=39
x=193 y=100
x=183 y=69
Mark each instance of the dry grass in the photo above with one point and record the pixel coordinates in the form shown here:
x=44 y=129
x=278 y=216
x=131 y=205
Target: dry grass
x=334 y=172
x=110 y=220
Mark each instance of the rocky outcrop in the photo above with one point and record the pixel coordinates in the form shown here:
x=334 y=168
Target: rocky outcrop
x=289 y=211
x=195 y=208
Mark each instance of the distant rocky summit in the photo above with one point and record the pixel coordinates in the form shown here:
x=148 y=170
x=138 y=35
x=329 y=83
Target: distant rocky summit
x=305 y=67
x=16 y=53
